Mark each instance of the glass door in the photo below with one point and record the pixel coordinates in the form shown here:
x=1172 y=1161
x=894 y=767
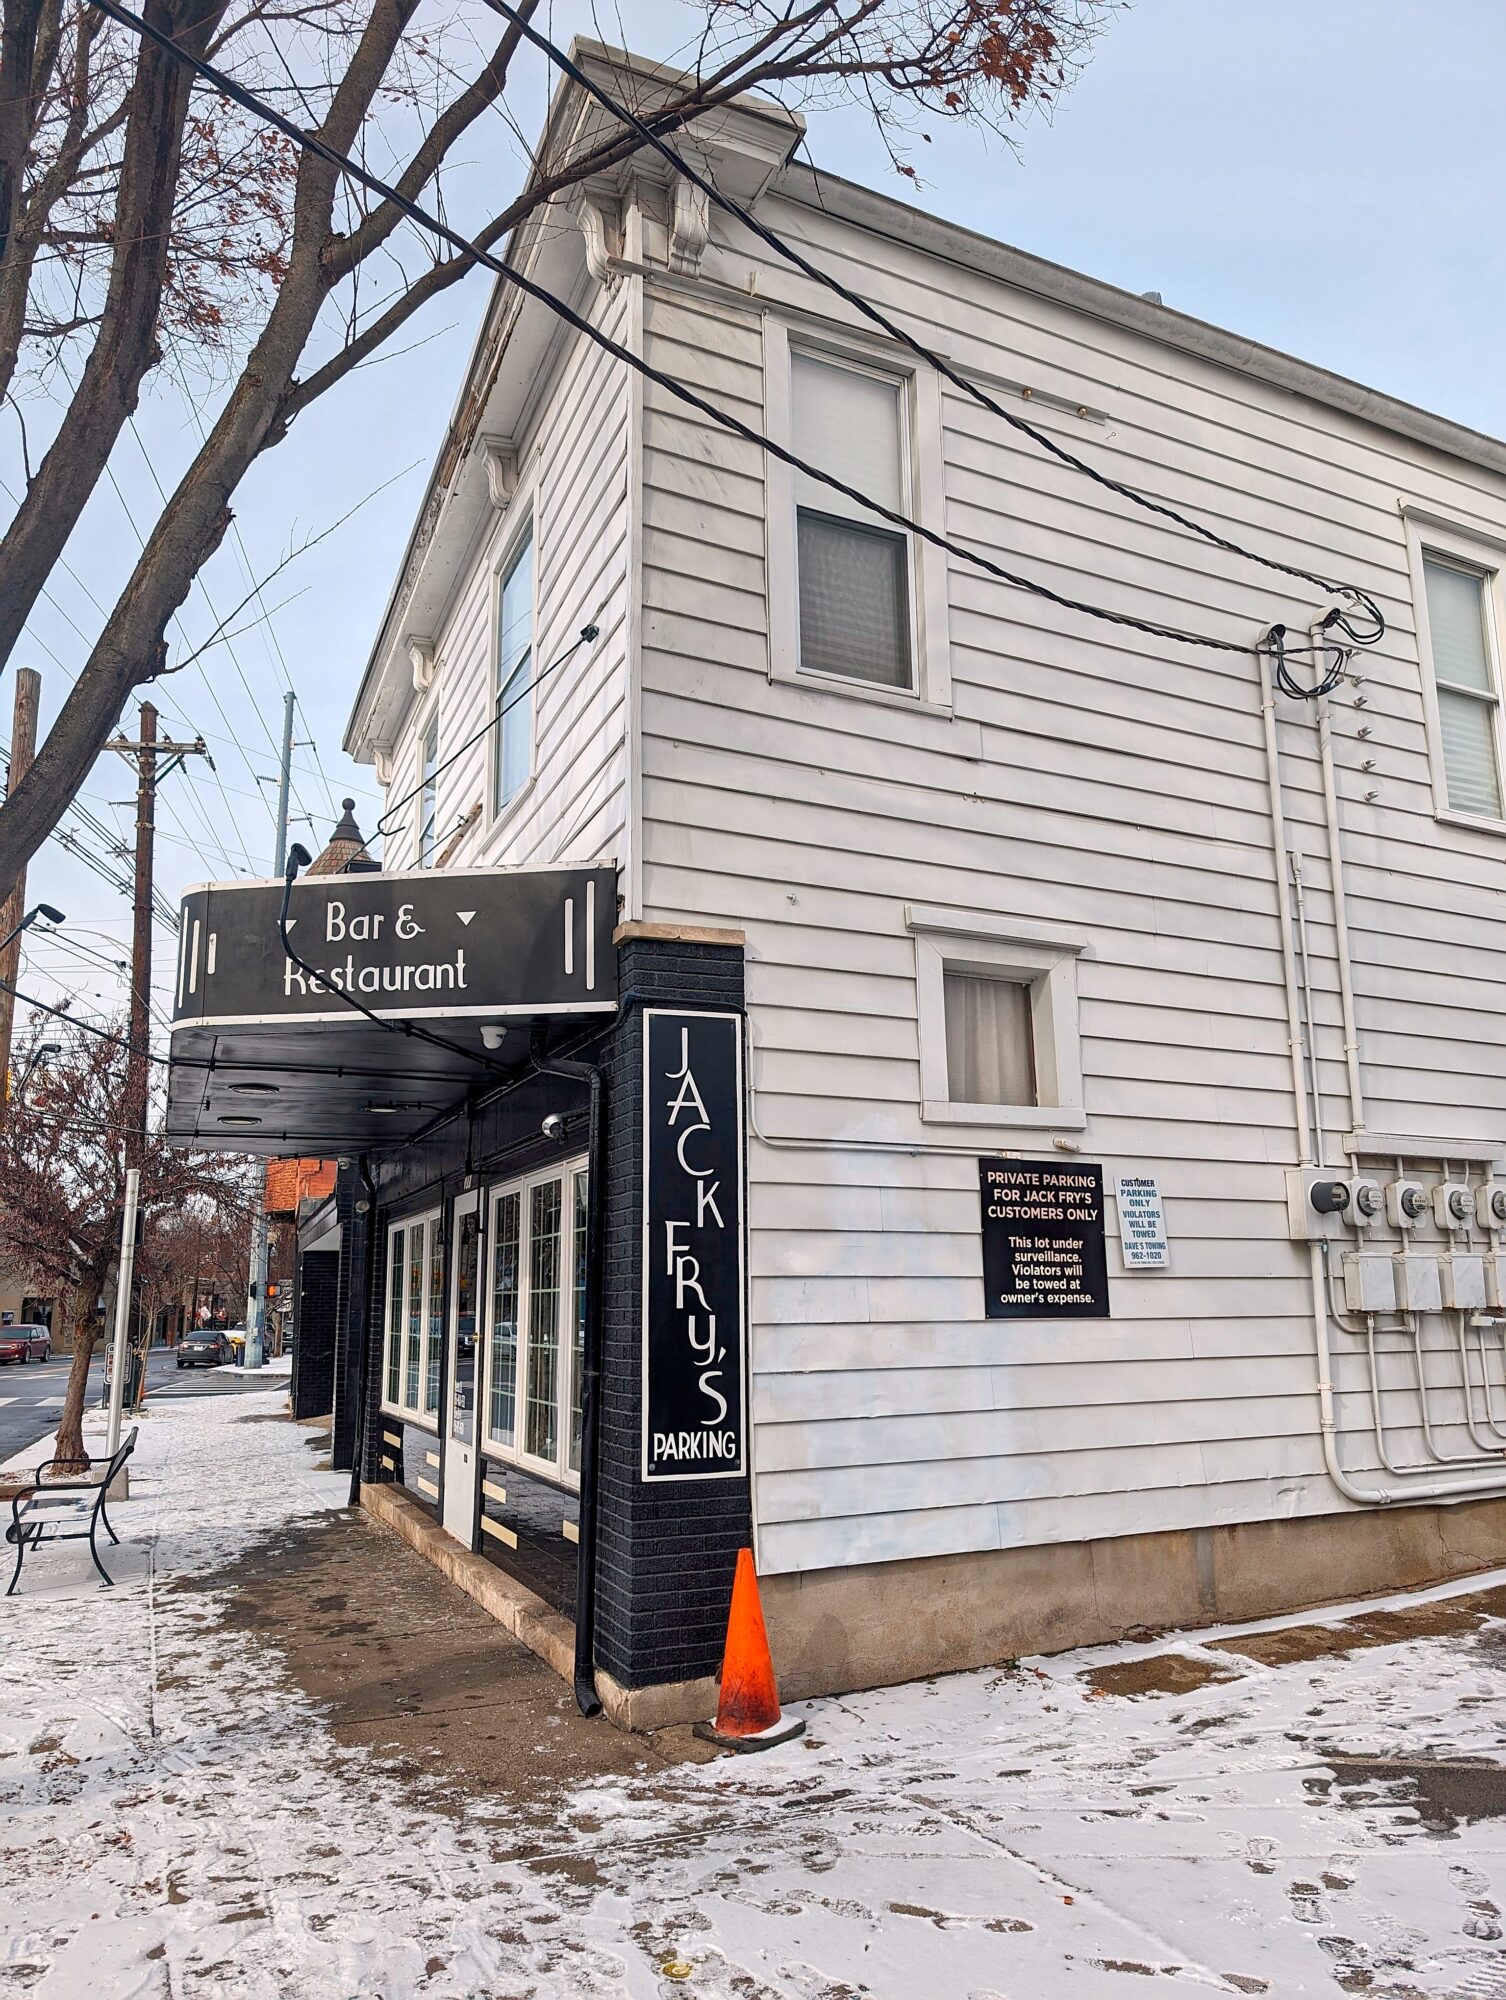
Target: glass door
x=461 y=1460
x=535 y=1323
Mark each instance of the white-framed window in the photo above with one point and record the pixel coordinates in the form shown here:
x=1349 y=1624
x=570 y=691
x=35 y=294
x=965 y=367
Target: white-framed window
x=428 y=798
x=534 y=1302
x=857 y=604
x=512 y=673
x=1457 y=583
x=413 y=1328
x=997 y=1016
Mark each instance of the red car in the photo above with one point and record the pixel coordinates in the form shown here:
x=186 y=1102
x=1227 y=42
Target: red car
x=25 y=1343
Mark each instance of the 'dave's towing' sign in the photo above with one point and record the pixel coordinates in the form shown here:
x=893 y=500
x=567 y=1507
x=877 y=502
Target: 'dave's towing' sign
x=485 y=941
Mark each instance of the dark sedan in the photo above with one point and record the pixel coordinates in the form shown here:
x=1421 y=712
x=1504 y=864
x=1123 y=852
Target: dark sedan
x=202 y=1350
x=25 y=1343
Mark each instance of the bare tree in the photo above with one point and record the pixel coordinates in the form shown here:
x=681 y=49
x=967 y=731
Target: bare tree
x=62 y=1169
x=140 y=213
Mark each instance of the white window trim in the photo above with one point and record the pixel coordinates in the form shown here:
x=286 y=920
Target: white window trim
x=521 y=518
x=426 y=1420
x=556 y=1472
x=1427 y=535
x=925 y=493
x=1043 y=955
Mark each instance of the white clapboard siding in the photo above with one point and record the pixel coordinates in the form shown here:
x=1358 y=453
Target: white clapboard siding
x=574 y=467
x=1089 y=777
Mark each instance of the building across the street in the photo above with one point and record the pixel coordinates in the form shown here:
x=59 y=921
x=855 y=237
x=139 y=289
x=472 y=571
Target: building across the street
x=846 y=1052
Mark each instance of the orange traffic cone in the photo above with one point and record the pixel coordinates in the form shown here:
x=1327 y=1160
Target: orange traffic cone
x=748 y=1715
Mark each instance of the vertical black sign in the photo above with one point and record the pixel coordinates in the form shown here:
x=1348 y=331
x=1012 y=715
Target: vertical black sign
x=694 y=1388
x=1043 y=1243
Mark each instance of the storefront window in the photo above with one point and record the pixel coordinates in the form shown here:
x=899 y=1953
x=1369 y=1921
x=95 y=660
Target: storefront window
x=540 y=1432
x=414 y=1330
x=395 y=1316
x=436 y=1319
x=577 y=1316
x=536 y=1321
x=502 y=1355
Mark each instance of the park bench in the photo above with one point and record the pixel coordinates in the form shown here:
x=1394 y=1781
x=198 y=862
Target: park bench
x=65 y=1510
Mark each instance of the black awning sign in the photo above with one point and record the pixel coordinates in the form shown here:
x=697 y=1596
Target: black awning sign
x=434 y=942
x=1043 y=1240
x=694 y=1337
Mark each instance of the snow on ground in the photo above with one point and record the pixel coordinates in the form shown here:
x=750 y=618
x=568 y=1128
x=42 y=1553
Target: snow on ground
x=176 y=1819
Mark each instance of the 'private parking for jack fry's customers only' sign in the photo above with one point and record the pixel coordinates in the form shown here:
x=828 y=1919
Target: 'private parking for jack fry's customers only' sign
x=1043 y=1240
x=694 y=1340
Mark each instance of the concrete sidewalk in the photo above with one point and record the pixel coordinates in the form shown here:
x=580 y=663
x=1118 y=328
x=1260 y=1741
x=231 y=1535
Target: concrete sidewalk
x=285 y=1760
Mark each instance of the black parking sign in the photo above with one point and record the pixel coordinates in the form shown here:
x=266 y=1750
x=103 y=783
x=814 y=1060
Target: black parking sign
x=1043 y=1240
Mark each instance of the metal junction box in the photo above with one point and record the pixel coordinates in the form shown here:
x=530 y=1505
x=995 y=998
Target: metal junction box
x=1464 y=1283
x=1418 y=1287
x=1369 y=1283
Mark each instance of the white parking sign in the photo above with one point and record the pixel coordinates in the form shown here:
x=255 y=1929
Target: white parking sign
x=1142 y=1224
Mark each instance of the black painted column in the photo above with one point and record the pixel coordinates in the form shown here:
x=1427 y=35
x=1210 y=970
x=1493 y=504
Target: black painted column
x=316 y=1291
x=665 y=1551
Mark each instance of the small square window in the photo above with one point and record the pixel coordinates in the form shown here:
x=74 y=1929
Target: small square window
x=1465 y=685
x=996 y=1021
x=853 y=568
x=990 y=1039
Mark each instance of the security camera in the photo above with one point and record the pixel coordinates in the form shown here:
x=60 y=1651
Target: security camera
x=554 y=1126
x=491 y=1036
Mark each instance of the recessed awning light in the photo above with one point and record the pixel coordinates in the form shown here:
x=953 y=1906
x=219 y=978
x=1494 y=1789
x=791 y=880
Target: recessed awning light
x=238 y=1118
x=254 y=1089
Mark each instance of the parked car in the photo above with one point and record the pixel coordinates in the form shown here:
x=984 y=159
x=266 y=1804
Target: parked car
x=25 y=1343
x=202 y=1350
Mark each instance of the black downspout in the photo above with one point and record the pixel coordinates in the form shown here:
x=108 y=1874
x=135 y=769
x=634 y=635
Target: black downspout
x=368 y=1259
x=587 y=1699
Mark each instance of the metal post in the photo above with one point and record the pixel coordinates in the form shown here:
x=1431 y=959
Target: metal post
x=256 y=1297
x=23 y=743
x=123 y=1288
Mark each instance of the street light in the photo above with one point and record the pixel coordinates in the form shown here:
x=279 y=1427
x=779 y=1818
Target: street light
x=53 y=916
x=43 y=1051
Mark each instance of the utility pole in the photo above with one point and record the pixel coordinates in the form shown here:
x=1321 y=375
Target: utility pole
x=144 y=753
x=256 y=1294
x=23 y=745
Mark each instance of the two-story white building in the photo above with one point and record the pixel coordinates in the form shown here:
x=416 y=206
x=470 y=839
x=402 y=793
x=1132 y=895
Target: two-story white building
x=1038 y=967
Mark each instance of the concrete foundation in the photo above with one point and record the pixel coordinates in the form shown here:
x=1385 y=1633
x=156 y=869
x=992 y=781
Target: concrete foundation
x=833 y=1631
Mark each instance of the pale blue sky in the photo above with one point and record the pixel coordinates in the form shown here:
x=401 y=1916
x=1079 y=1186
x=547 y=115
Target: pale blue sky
x=1319 y=174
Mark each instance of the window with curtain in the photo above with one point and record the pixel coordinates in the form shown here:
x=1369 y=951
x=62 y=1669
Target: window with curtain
x=1467 y=690
x=854 y=568
x=990 y=1041
x=428 y=811
x=512 y=746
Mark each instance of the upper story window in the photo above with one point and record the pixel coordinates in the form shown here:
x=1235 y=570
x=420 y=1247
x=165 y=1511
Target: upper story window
x=428 y=811
x=1466 y=682
x=854 y=569
x=512 y=739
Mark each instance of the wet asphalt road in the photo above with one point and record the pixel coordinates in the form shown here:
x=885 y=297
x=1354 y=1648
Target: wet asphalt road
x=31 y=1393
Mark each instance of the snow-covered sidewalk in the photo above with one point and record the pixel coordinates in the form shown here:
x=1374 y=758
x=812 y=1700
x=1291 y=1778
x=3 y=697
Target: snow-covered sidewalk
x=1284 y=1811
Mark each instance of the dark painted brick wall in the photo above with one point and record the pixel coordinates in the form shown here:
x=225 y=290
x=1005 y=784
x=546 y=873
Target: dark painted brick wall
x=666 y=1552
x=315 y=1303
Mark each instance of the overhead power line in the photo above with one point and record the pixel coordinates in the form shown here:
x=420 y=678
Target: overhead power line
x=1367 y=635
x=248 y=100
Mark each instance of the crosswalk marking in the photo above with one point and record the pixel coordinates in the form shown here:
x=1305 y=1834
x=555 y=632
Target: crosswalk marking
x=50 y=1402
x=4 y=1400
